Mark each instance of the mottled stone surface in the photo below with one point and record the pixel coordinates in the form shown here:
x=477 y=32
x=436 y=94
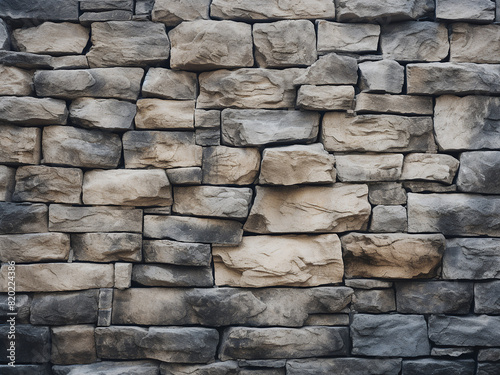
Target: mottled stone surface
x=388 y=219
x=373 y=301
x=169 y=276
x=387 y=193
x=329 y=98
x=179 y=253
x=475 y=43
x=331 y=69
x=32 y=344
x=227 y=165
x=459 y=10
x=428 y=187
x=170 y=84
x=40 y=9
x=478 y=172
x=381 y=76
x=173 y=12
x=73 y=344
x=26 y=60
x=362 y=167
x=398 y=104
x=107 y=247
x=15 y=81
x=482 y=330
x=4 y=36
x=108 y=114
x=343 y=366
x=339 y=37
x=217 y=368
x=487 y=297
x=488 y=368
x=165 y=114
x=430 y=167
x=23 y=218
x=185 y=176
x=382 y=11
x=437 y=366
x=32 y=111
x=34 y=247
x=109 y=367
x=7 y=182
x=491 y=354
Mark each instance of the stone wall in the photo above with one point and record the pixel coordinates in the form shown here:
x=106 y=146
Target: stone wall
x=250 y=187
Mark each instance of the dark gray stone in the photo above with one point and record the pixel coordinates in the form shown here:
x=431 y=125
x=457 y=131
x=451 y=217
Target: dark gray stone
x=65 y=308
x=105 y=298
x=179 y=253
x=428 y=187
x=217 y=368
x=429 y=366
x=489 y=355
x=25 y=369
x=168 y=275
x=270 y=343
x=54 y=10
x=451 y=352
x=434 y=297
x=22 y=308
x=109 y=367
x=270 y=363
x=477 y=330
x=25 y=60
x=110 y=15
x=389 y=335
x=104 y=318
x=487 y=297
x=386 y=193
x=343 y=366
x=185 y=176
x=368 y=283
x=107 y=247
x=479 y=172
x=23 y=218
x=488 y=369
x=32 y=343
x=144 y=7
x=106 y=5
x=4 y=35
x=207 y=137
x=32 y=111
x=373 y=301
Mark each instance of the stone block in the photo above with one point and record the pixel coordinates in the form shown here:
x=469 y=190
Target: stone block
x=381 y=76
x=172 y=275
x=431 y=167
x=32 y=344
x=23 y=218
x=217 y=368
x=102 y=5
x=4 y=36
x=26 y=111
x=107 y=247
x=363 y=167
x=173 y=12
x=482 y=330
x=104 y=316
x=368 y=283
x=451 y=352
x=40 y=10
x=487 y=355
x=460 y=10
x=340 y=37
x=488 y=368
x=88 y=18
x=331 y=69
x=105 y=298
x=7 y=182
x=108 y=114
x=185 y=176
x=170 y=84
x=327 y=320
x=373 y=301
x=106 y=367
x=474 y=43
x=69 y=62
x=25 y=60
x=178 y=253
x=487 y=297
x=438 y=366
x=397 y=104
x=15 y=81
x=34 y=247
x=478 y=172
x=325 y=98
x=123 y=279
x=230 y=166
x=73 y=344
x=207 y=119
x=428 y=187
x=386 y=193
x=344 y=366
x=389 y=219
x=22 y=307
x=382 y=11
x=165 y=114
x=207 y=137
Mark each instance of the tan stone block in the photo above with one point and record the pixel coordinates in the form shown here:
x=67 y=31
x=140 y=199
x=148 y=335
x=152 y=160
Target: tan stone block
x=398 y=104
x=475 y=43
x=173 y=12
x=19 y=145
x=7 y=183
x=33 y=111
x=107 y=247
x=230 y=166
x=369 y=167
x=34 y=247
x=15 y=81
x=73 y=344
x=109 y=114
x=334 y=37
x=165 y=114
x=170 y=84
x=431 y=167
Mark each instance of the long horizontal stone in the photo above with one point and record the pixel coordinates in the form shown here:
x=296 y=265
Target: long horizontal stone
x=191 y=229
x=453 y=78
x=103 y=5
x=343 y=366
x=454 y=214
x=40 y=10
x=179 y=253
x=172 y=12
x=339 y=208
x=64 y=218
x=269 y=343
x=109 y=114
x=486 y=297
x=167 y=344
x=325 y=98
x=478 y=172
x=107 y=367
x=25 y=60
x=255 y=127
x=23 y=218
x=33 y=111
x=170 y=84
x=169 y=275
x=378 y=133
x=477 y=330
x=474 y=43
x=58 y=277
x=15 y=81
x=436 y=366
x=382 y=11
x=230 y=166
x=393 y=256
x=373 y=301
x=362 y=167
x=107 y=247
x=34 y=247
x=453 y=10
x=118 y=83
x=20 y=145
x=334 y=37
x=397 y=104
x=165 y=114
x=216 y=368
x=222 y=306
x=262 y=261
x=432 y=167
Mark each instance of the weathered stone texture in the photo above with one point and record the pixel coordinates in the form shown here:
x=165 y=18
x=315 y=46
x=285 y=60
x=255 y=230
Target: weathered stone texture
x=343 y=366
x=386 y=193
x=487 y=297
x=15 y=81
x=373 y=301
x=381 y=76
x=164 y=114
x=108 y=114
x=179 y=253
x=32 y=344
x=368 y=283
x=7 y=182
x=23 y=218
x=173 y=12
x=437 y=366
x=331 y=69
x=475 y=43
x=479 y=330
x=73 y=344
x=134 y=367
x=25 y=60
x=217 y=368
x=458 y=10
x=363 y=167
x=4 y=36
x=107 y=247
x=327 y=98
x=34 y=247
x=40 y=9
x=490 y=354
x=230 y=166
x=338 y=37
x=432 y=167
x=478 y=172
x=32 y=111
x=382 y=11
x=398 y=104
x=170 y=84
x=169 y=276
x=387 y=219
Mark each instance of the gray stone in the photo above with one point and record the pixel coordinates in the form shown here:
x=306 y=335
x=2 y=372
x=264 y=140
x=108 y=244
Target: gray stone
x=363 y=167
x=15 y=81
x=26 y=60
x=40 y=9
x=207 y=137
x=248 y=88
x=173 y=12
x=328 y=98
x=331 y=69
x=343 y=366
x=471 y=258
x=392 y=256
x=255 y=127
x=66 y=145
x=39 y=183
x=428 y=187
x=44 y=369
x=434 y=297
x=475 y=43
x=472 y=127
x=386 y=193
x=165 y=114
x=207 y=44
x=368 y=283
x=373 y=301
x=262 y=343
x=382 y=11
x=217 y=368
x=327 y=320
x=378 y=133
x=230 y=166
x=123 y=280
x=337 y=208
x=479 y=172
x=459 y=10
x=192 y=229
x=161 y=149
x=179 y=253
x=32 y=344
x=270 y=363
x=451 y=352
x=432 y=167
x=64 y=308
x=167 y=344
x=339 y=37
x=207 y=119
x=389 y=335
x=397 y=104
x=487 y=355
x=23 y=218
x=100 y=5
x=476 y=330
x=284 y=43
x=438 y=367
x=109 y=114
x=22 y=306
x=118 y=83
x=73 y=344
x=454 y=214
x=33 y=111
x=453 y=78
x=297 y=164
x=158 y=210
x=415 y=41
x=88 y=18
x=105 y=298
x=389 y=219
x=7 y=182
x=488 y=368
x=185 y=176
x=104 y=318
x=34 y=247
x=94 y=219
x=128 y=43
x=4 y=36
x=381 y=76
x=169 y=276
x=107 y=247
x=272 y=10
x=69 y=62
x=110 y=368
x=170 y=84
x=487 y=297
x=20 y=145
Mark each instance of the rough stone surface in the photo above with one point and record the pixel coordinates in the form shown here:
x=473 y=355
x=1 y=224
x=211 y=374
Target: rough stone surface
x=88 y=18
x=32 y=111
x=359 y=168
x=491 y=354
x=179 y=253
x=487 y=297
x=451 y=352
x=40 y=9
x=381 y=76
x=343 y=366
x=431 y=167
x=205 y=44
x=398 y=104
x=107 y=247
x=488 y=368
x=32 y=344
x=438 y=366
x=4 y=36
x=388 y=219
x=428 y=187
x=102 y=5
x=478 y=172
x=73 y=344
x=479 y=330
x=475 y=43
x=373 y=301
x=15 y=81
x=217 y=368
x=123 y=280
x=164 y=114
x=34 y=247
x=382 y=11
x=108 y=114
x=331 y=69
x=340 y=208
x=7 y=182
x=386 y=193
x=169 y=276
x=368 y=283
x=185 y=176
x=328 y=98
x=26 y=369
x=170 y=84
x=173 y=12
x=227 y=165
x=338 y=37
x=109 y=367
x=23 y=218
x=392 y=256
x=26 y=60
x=457 y=10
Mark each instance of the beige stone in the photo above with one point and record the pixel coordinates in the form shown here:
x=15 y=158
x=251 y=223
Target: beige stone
x=7 y=183
x=107 y=247
x=15 y=81
x=369 y=167
x=392 y=256
x=378 y=133
x=127 y=187
x=173 y=12
x=69 y=62
x=170 y=84
x=73 y=344
x=206 y=44
x=297 y=164
x=262 y=261
x=58 y=277
x=475 y=43
x=397 y=104
x=34 y=247
x=337 y=208
x=214 y=201
x=19 y=145
x=325 y=98
x=331 y=69
x=165 y=114
x=227 y=165
x=431 y=167
x=123 y=275
x=52 y=38
x=109 y=114
x=334 y=37
x=383 y=10
x=33 y=111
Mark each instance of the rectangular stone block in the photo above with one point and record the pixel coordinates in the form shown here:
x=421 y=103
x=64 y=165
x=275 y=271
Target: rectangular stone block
x=381 y=76
x=435 y=366
x=15 y=81
x=325 y=98
x=32 y=344
x=166 y=275
x=351 y=366
x=340 y=37
x=135 y=367
x=478 y=172
x=387 y=193
x=100 y=5
x=397 y=104
x=179 y=253
x=330 y=69
x=170 y=84
x=165 y=114
x=23 y=218
x=230 y=165
x=367 y=10
x=108 y=114
x=389 y=219
x=19 y=145
x=7 y=182
x=185 y=176
x=361 y=168
x=123 y=277
x=40 y=9
x=88 y=18
x=487 y=297
x=173 y=12
x=73 y=344
x=373 y=301
x=207 y=137
x=482 y=330
x=216 y=368
x=460 y=10
x=475 y=43
x=26 y=111
x=107 y=247
x=34 y=247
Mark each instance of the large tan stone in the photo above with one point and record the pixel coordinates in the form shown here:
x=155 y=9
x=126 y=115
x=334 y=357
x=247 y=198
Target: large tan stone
x=206 y=44
x=230 y=166
x=107 y=247
x=73 y=344
x=431 y=167
x=475 y=43
x=378 y=133
x=58 y=277
x=15 y=81
x=34 y=247
x=392 y=256
x=173 y=12
x=342 y=37
x=165 y=114
x=262 y=261
x=397 y=104
x=248 y=88
x=369 y=167
x=325 y=98
x=170 y=84
x=109 y=114
x=52 y=38
x=297 y=164
x=33 y=111
x=127 y=187
x=19 y=145
x=337 y=208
